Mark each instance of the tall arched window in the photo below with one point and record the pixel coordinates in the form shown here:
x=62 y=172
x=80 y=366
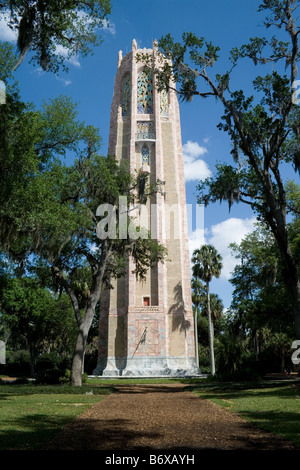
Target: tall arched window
x=144 y=93
x=126 y=95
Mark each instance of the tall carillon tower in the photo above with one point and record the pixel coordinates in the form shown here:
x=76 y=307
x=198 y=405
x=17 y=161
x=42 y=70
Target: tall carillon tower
x=146 y=328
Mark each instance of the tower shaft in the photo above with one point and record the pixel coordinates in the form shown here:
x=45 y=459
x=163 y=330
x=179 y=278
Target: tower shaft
x=147 y=328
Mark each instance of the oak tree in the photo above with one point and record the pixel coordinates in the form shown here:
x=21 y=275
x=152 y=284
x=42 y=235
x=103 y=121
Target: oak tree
x=263 y=127
x=55 y=30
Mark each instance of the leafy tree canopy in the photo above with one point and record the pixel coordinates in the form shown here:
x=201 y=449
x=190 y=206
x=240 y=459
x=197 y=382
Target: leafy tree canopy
x=263 y=128
x=56 y=30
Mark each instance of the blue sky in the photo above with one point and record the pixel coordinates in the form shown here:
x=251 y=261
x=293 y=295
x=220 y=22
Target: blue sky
x=90 y=83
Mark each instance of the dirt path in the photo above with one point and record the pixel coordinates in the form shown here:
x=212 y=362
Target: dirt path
x=153 y=417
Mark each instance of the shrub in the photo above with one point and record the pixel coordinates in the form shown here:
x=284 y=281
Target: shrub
x=65 y=379
x=50 y=368
x=17 y=363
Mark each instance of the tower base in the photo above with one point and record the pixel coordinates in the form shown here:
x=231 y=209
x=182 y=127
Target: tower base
x=147 y=367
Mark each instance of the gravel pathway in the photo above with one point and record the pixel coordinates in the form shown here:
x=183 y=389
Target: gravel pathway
x=153 y=417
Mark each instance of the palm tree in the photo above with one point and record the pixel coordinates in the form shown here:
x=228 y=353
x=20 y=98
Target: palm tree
x=198 y=290
x=207 y=263
x=216 y=307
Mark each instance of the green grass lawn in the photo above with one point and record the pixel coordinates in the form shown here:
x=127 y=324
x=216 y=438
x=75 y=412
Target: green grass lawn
x=274 y=407
x=31 y=414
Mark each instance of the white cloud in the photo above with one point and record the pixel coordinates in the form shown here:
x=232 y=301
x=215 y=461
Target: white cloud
x=61 y=50
x=65 y=81
x=193 y=149
x=104 y=24
x=194 y=168
x=40 y=72
x=220 y=236
x=6 y=33
x=226 y=232
x=110 y=27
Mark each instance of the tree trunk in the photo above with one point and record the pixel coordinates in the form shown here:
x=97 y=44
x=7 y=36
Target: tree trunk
x=84 y=324
x=210 y=334
x=79 y=352
x=196 y=334
x=83 y=330
x=291 y=275
x=256 y=345
x=295 y=296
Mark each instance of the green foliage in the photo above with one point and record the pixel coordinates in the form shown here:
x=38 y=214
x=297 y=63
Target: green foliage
x=255 y=278
x=264 y=131
x=231 y=358
x=55 y=31
x=198 y=292
x=52 y=368
x=36 y=185
x=263 y=127
x=206 y=263
x=195 y=50
x=257 y=333
x=35 y=319
x=7 y=60
x=17 y=362
x=49 y=208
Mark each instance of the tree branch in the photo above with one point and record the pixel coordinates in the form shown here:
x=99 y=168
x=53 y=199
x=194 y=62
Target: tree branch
x=64 y=283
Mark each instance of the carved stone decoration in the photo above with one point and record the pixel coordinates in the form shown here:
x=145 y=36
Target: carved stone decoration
x=164 y=103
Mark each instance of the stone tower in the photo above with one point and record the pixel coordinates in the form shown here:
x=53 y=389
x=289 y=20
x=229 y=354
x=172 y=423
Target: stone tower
x=147 y=328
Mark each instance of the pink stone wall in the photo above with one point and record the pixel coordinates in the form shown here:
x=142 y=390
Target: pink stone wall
x=166 y=329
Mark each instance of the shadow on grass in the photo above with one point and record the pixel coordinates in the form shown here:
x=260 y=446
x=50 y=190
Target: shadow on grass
x=243 y=387
x=285 y=392
x=123 y=435
x=30 y=432
x=7 y=390
x=283 y=423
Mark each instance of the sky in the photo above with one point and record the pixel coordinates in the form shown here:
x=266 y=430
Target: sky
x=90 y=83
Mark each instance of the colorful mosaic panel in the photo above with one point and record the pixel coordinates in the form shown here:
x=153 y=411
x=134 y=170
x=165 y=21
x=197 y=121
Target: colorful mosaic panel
x=145 y=130
x=145 y=155
x=126 y=95
x=144 y=93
